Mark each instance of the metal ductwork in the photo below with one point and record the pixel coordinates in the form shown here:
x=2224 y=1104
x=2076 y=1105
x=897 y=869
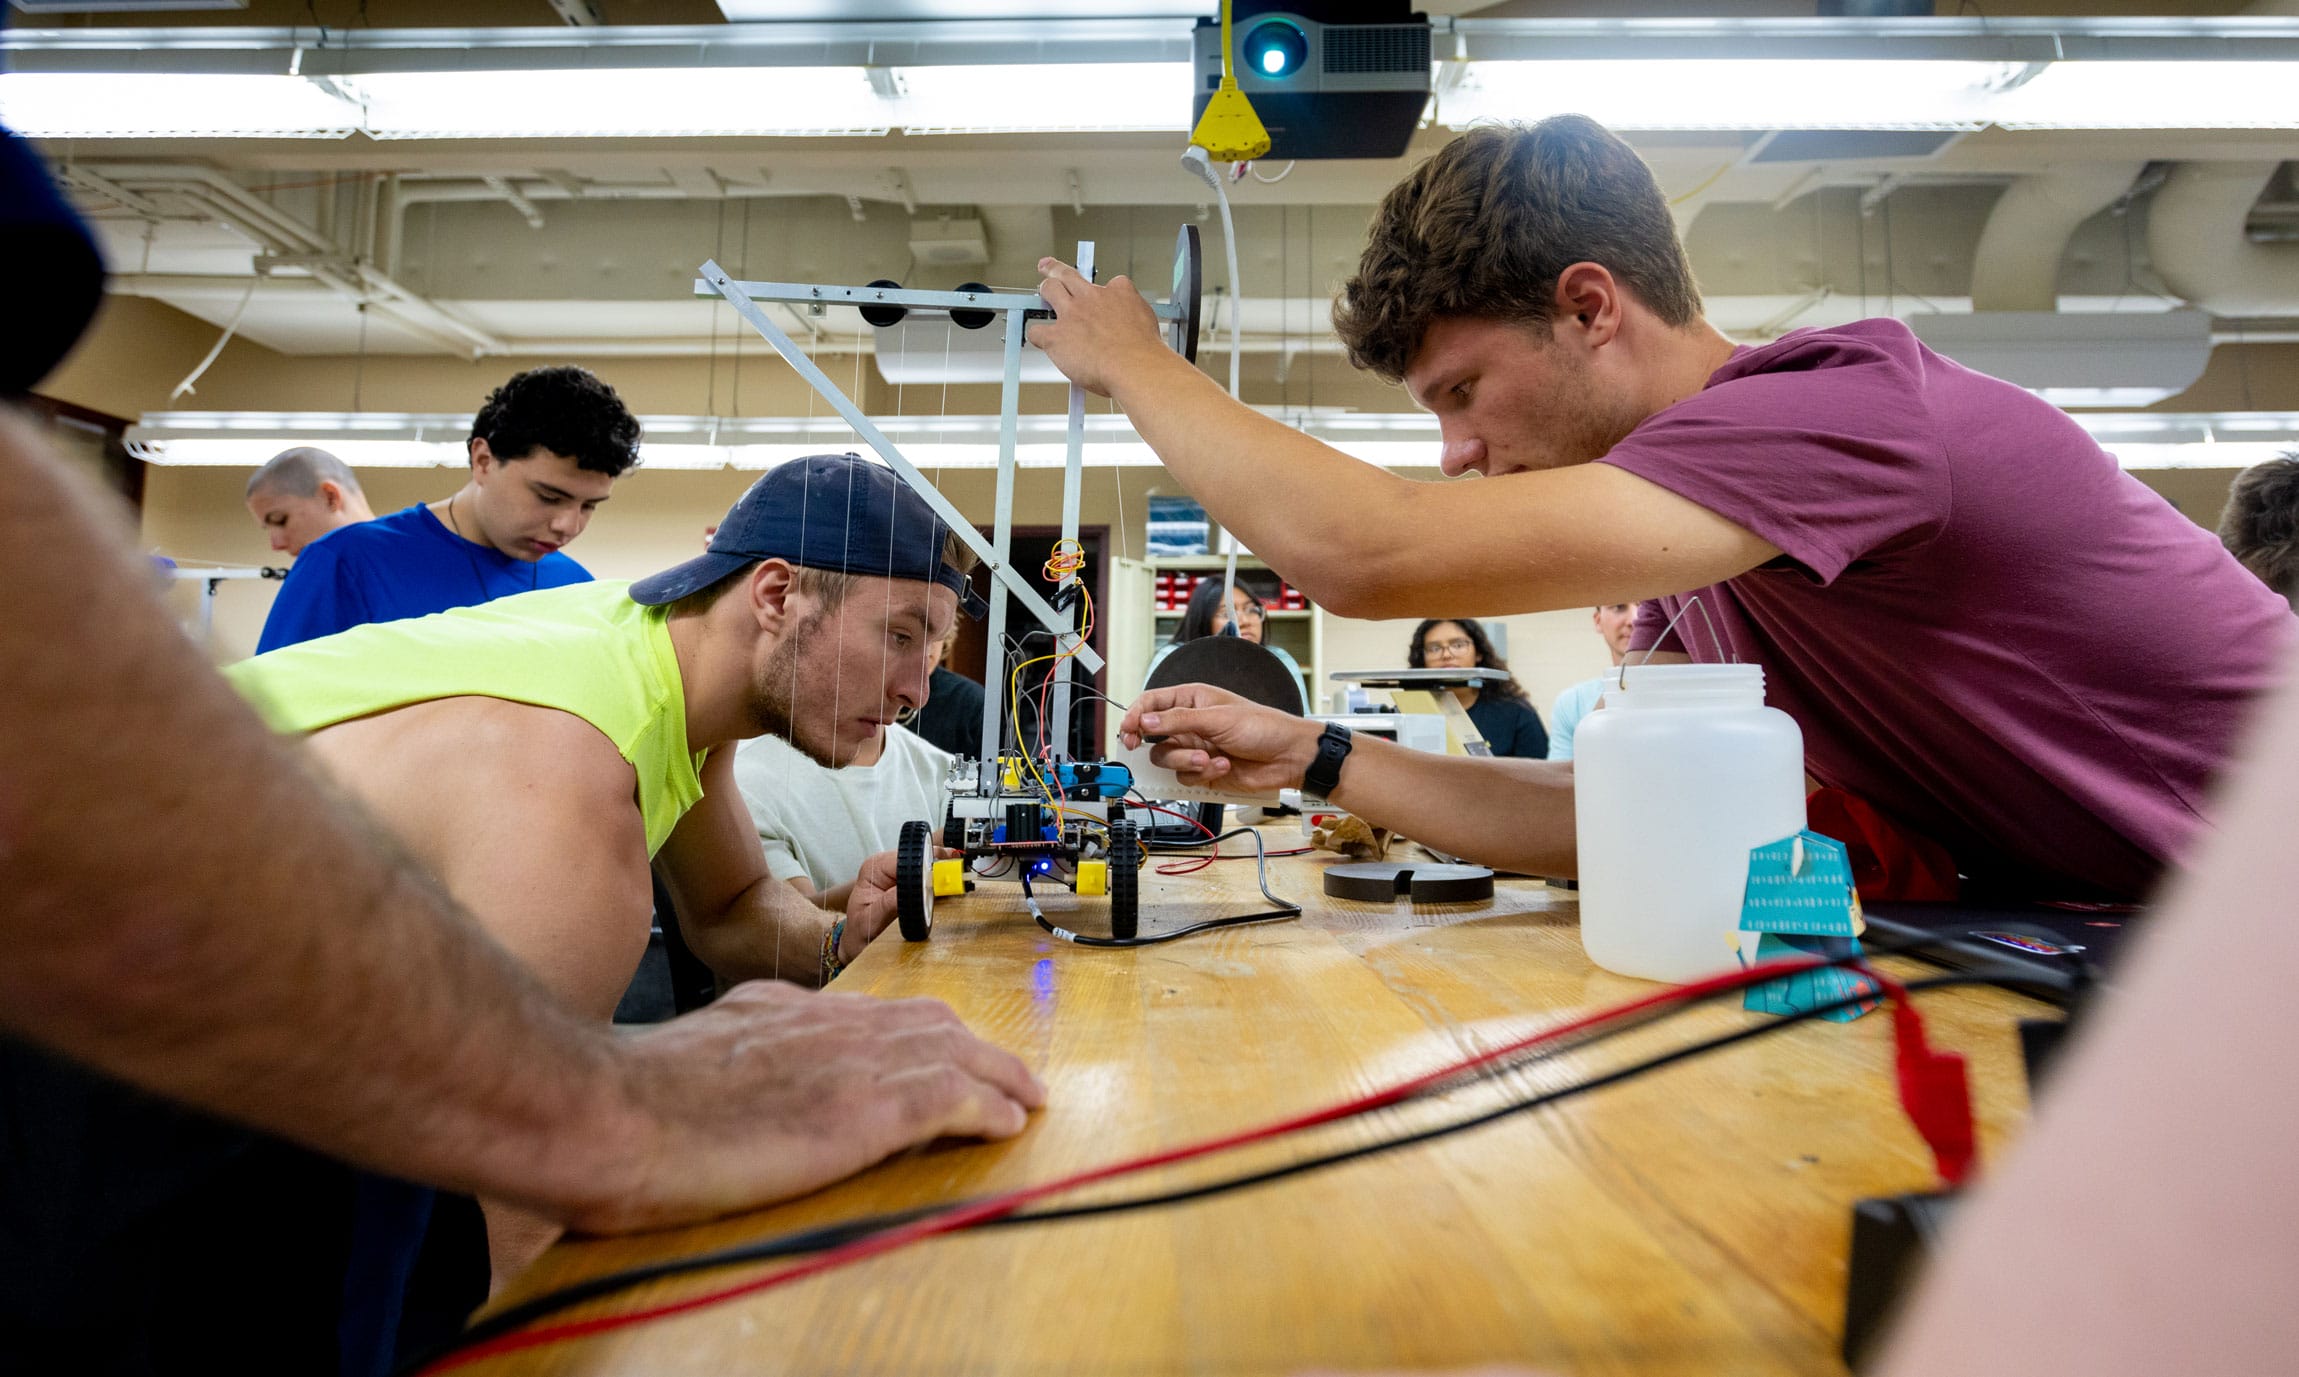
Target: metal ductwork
x=2195 y=237
x=2016 y=266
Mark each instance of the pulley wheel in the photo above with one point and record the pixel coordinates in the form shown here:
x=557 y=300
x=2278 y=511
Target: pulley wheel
x=1250 y=671
x=971 y=320
x=883 y=316
x=1188 y=292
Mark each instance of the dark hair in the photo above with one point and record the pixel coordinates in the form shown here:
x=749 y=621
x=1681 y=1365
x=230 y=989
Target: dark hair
x=565 y=410
x=2261 y=524
x=1486 y=659
x=1197 y=619
x=1489 y=222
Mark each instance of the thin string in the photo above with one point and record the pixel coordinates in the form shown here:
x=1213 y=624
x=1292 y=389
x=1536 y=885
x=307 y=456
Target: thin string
x=1728 y=654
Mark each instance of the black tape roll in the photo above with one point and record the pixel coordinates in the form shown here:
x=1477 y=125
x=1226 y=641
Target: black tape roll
x=1381 y=883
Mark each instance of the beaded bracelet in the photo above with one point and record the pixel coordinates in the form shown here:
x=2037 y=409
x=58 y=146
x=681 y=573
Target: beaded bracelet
x=831 y=965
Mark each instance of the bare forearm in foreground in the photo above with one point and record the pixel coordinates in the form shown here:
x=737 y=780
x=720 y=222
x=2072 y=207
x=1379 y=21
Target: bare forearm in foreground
x=1512 y=814
x=186 y=909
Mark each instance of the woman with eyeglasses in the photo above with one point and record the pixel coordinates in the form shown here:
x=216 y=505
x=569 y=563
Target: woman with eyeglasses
x=1209 y=614
x=1504 y=717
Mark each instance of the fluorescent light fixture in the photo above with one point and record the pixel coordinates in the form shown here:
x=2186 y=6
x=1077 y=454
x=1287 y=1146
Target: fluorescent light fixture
x=248 y=452
x=2231 y=455
x=1100 y=96
x=1395 y=440
x=78 y=105
x=620 y=101
x=1733 y=93
x=2102 y=398
x=2155 y=95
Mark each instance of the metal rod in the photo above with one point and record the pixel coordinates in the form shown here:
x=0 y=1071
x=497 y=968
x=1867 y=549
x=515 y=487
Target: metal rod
x=1073 y=481
x=799 y=293
x=1002 y=535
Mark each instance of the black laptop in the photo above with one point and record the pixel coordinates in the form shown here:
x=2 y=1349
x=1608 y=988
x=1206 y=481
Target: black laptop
x=2053 y=951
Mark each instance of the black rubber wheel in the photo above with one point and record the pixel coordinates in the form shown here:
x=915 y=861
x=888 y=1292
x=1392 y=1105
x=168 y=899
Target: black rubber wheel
x=1125 y=881
x=883 y=316
x=914 y=881
x=971 y=320
x=954 y=832
x=1188 y=292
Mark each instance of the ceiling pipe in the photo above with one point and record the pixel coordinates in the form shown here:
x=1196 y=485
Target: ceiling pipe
x=227 y=201
x=2016 y=266
x=2195 y=237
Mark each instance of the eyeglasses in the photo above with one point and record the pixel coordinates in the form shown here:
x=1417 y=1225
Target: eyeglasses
x=1453 y=647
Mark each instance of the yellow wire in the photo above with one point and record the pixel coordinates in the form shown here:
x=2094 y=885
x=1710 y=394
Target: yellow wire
x=1711 y=181
x=1060 y=565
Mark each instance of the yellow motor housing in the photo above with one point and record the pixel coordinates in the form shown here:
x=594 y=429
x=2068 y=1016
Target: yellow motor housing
x=949 y=877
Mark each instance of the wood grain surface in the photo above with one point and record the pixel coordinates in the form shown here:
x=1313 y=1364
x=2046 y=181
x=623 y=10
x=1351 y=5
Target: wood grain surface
x=1693 y=1221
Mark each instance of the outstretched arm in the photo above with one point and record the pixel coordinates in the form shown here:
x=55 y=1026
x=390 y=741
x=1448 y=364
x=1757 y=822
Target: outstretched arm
x=188 y=910
x=1514 y=814
x=1581 y=536
x=744 y=923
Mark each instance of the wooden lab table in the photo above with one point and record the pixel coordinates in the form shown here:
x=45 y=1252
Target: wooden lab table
x=1693 y=1221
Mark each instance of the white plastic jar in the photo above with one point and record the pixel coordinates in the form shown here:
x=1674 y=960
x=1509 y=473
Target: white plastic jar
x=1674 y=781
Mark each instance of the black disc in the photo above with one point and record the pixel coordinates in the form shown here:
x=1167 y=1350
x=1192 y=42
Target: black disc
x=1382 y=882
x=883 y=316
x=954 y=832
x=971 y=320
x=1125 y=881
x=914 y=881
x=1188 y=291
x=1246 y=669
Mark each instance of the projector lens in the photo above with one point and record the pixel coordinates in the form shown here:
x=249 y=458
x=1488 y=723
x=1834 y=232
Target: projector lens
x=1275 y=49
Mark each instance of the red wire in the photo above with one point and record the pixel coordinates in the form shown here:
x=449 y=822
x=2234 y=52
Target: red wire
x=997 y=1206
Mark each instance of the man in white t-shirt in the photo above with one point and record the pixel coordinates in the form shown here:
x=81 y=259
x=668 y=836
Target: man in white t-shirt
x=1614 y=623
x=820 y=824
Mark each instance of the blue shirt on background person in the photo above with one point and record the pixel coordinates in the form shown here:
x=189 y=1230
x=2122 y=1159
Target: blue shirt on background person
x=407 y=564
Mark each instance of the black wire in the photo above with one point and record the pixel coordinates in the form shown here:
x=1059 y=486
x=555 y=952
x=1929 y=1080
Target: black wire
x=1286 y=908
x=824 y=1237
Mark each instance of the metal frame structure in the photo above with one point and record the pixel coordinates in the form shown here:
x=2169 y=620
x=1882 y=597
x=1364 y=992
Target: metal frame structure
x=991 y=793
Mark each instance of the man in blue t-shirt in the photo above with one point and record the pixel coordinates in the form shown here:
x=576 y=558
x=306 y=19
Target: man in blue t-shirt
x=545 y=452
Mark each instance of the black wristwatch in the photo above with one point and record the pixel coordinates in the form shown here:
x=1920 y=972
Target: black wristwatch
x=1324 y=773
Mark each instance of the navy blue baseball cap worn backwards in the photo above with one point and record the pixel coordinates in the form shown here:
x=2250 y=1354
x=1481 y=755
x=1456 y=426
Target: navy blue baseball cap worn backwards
x=835 y=512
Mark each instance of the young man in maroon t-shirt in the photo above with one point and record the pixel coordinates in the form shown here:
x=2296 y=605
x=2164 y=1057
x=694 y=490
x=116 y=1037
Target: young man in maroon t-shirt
x=1983 y=626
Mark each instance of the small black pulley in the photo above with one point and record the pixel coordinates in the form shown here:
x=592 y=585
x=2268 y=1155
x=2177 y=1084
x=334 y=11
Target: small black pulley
x=883 y=316
x=971 y=320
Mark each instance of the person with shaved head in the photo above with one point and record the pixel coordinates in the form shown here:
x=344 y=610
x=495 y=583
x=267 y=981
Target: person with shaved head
x=302 y=494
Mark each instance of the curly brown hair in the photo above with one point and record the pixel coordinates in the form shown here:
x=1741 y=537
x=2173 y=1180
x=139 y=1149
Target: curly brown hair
x=2261 y=524
x=1486 y=225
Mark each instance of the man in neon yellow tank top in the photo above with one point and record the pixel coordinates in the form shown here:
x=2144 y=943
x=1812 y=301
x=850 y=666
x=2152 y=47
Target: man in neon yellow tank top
x=535 y=753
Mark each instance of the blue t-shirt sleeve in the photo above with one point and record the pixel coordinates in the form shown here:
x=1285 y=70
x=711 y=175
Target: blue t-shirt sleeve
x=322 y=595
x=1564 y=716
x=557 y=571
